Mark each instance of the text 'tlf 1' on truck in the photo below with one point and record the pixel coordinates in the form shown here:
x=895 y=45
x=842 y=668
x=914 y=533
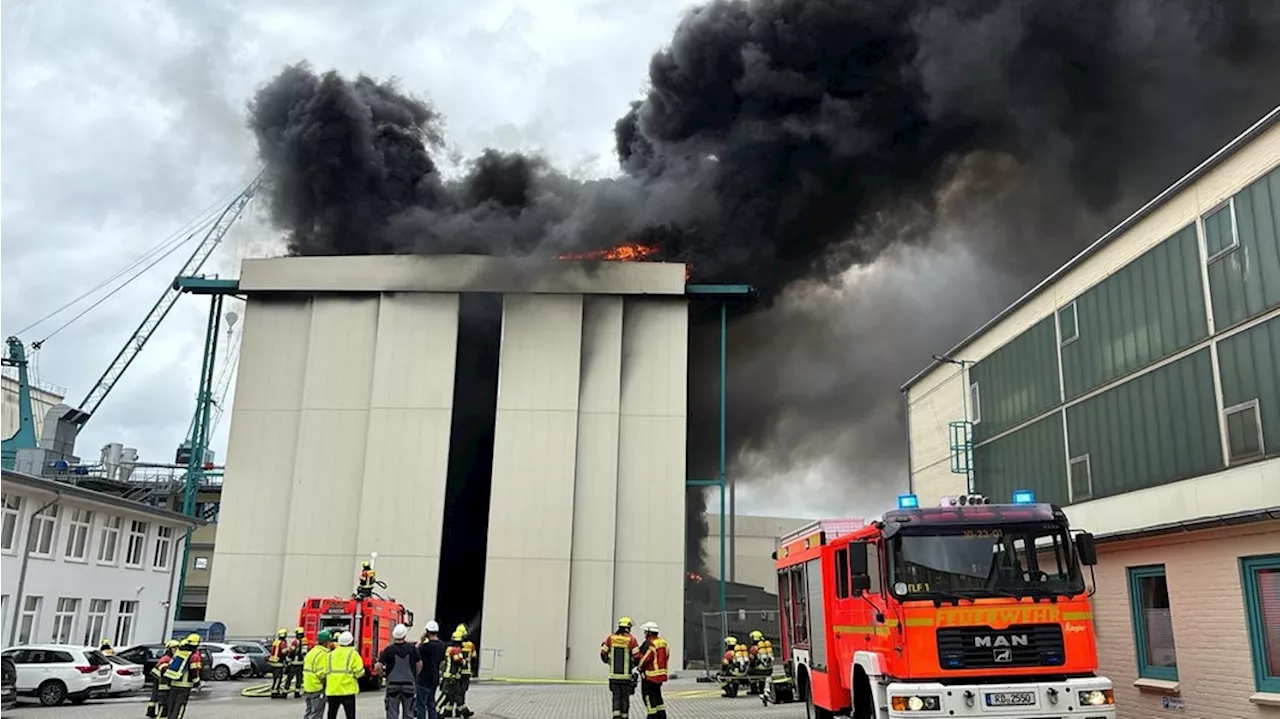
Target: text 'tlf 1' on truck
x=964 y=610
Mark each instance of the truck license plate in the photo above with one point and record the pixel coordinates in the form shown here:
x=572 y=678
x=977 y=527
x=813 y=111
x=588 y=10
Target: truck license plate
x=1011 y=699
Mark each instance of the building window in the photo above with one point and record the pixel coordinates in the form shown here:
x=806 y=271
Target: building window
x=1152 y=623
x=1221 y=235
x=124 y=623
x=975 y=403
x=164 y=543
x=1244 y=431
x=137 y=549
x=78 y=534
x=64 y=620
x=202 y=562
x=1068 y=324
x=109 y=541
x=842 y=571
x=1081 y=478
x=30 y=619
x=44 y=530
x=95 y=627
x=1261 y=583
x=12 y=513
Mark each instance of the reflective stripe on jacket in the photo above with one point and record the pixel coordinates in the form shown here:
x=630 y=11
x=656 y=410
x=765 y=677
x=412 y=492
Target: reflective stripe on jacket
x=453 y=660
x=468 y=649
x=620 y=652
x=298 y=651
x=314 y=668
x=342 y=670
x=184 y=668
x=655 y=660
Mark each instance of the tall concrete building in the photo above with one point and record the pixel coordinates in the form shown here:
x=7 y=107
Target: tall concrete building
x=1139 y=388
x=536 y=511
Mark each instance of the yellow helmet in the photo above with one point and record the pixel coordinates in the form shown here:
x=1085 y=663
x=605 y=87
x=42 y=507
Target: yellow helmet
x=731 y=642
x=461 y=628
x=172 y=643
x=282 y=632
x=192 y=639
x=365 y=564
x=299 y=631
x=458 y=634
x=106 y=642
x=757 y=635
x=624 y=622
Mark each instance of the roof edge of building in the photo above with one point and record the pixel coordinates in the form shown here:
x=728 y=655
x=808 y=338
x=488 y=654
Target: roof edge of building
x=1218 y=521
x=53 y=487
x=1126 y=224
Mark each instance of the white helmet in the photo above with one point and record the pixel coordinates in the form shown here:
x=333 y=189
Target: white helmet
x=433 y=627
x=345 y=639
x=399 y=632
x=650 y=628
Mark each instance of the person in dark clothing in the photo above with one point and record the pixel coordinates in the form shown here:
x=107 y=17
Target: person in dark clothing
x=431 y=652
x=400 y=664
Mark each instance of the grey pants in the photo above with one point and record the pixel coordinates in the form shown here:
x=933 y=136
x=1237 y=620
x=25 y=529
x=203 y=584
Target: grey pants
x=399 y=700
x=315 y=705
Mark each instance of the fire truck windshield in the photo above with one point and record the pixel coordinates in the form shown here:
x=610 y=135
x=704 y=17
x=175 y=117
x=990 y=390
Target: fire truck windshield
x=971 y=562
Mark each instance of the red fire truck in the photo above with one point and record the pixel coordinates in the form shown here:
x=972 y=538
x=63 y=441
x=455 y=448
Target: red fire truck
x=964 y=610
x=369 y=620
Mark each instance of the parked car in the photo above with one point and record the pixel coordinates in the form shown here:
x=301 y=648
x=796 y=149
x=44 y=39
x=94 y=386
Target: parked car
x=227 y=662
x=55 y=673
x=126 y=677
x=8 y=683
x=257 y=655
x=148 y=654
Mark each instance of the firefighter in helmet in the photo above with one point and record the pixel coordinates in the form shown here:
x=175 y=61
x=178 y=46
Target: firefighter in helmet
x=183 y=673
x=468 y=659
x=760 y=651
x=160 y=690
x=453 y=701
x=368 y=577
x=278 y=659
x=621 y=652
x=105 y=648
x=293 y=668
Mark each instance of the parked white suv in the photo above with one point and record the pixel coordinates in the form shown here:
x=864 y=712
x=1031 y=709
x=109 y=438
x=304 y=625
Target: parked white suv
x=54 y=673
x=227 y=662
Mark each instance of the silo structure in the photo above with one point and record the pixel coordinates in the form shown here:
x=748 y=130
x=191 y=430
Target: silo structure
x=355 y=430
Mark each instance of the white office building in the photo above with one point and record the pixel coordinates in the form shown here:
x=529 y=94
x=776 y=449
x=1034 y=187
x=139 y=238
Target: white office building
x=95 y=565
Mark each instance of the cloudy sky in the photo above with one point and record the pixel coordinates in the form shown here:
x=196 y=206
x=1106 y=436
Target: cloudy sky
x=122 y=123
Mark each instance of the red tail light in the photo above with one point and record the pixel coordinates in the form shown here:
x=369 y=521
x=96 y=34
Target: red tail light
x=86 y=669
x=237 y=657
x=124 y=672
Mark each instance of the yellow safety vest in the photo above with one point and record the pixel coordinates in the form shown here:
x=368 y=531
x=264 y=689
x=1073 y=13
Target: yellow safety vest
x=344 y=668
x=314 y=668
x=179 y=671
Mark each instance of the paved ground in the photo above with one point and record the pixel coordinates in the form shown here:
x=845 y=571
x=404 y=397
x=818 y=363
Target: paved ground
x=685 y=699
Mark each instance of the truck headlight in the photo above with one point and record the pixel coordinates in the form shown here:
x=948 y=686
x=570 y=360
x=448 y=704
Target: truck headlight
x=1097 y=697
x=916 y=703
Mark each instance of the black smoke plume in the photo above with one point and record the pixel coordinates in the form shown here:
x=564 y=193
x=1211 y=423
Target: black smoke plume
x=955 y=151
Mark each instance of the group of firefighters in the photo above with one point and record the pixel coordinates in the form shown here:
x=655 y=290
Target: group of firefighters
x=176 y=673
x=750 y=664
x=632 y=662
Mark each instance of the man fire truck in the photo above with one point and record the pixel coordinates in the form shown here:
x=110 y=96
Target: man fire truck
x=963 y=610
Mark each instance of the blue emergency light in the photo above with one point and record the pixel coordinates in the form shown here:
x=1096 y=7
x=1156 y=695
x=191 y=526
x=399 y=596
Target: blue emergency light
x=908 y=501
x=1024 y=496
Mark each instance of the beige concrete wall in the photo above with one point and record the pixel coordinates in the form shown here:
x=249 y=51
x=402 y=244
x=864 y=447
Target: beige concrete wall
x=1215 y=676
x=526 y=594
x=757 y=537
x=928 y=416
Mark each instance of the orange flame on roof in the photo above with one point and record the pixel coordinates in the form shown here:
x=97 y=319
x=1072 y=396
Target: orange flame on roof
x=629 y=252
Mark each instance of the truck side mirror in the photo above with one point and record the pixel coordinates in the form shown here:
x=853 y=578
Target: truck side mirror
x=1086 y=549
x=857 y=558
x=859 y=583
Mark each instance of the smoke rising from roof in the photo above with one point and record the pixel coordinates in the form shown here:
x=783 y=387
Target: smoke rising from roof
x=957 y=150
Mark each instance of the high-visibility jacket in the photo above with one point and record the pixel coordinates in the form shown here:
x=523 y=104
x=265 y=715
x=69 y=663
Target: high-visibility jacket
x=343 y=668
x=367 y=577
x=454 y=659
x=468 y=651
x=297 y=651
x=621 y=652
x=653 y=663
x=279 y=650
x=158 y=670
x=314 y=668
x=184 y=668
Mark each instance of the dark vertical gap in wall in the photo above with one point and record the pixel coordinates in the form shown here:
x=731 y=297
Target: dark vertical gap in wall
x=460 y=591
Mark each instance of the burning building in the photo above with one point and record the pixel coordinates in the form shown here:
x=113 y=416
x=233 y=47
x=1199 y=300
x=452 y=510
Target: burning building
x=508 y=436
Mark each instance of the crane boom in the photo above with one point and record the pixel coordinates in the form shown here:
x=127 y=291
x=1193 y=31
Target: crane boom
x=152 y=321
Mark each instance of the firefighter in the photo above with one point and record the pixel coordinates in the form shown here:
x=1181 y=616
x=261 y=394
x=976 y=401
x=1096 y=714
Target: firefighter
x=364 y=588
x=342 y=677
x=293 y=668
x=653 y=671
x=277 y=659
x=160 y=690
x=468 y=661
x=621 y=652
x=105 y=648
x=761 y=662
x=315 y=666
x=733 y=665
x=183 y=674
x=453 y=702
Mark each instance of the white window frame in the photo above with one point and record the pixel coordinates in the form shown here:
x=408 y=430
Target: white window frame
x=29 y=619
x=44 y=526
x=202 y=563
x=1088 y=469
x=1226 y=430
x=109 y=536
x=12 y=526
x=975 y=403
x=79 y=524
x=141 y=537
x=126 y=622
x=1229 y=206
x=96 y=621
x=64 y=620
x=162 y=558
x=1075 y=323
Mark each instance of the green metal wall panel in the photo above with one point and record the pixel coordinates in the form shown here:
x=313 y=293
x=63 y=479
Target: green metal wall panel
x=1017 y=381
x=1249 y=364
x=1245 y=281
x=1155 y=429
x=1031 y=458
x=1150 y=309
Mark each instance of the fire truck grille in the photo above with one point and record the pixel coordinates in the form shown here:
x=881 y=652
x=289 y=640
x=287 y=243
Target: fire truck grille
x=1021 y=645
